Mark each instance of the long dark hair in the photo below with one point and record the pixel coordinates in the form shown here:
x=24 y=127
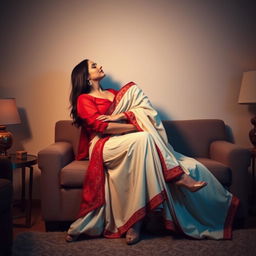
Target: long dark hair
x=80 y=84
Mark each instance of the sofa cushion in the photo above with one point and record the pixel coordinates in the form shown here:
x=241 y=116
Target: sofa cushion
x=72 y=175
x=219 y=170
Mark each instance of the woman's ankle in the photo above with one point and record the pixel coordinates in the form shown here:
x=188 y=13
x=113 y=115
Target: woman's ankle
x=189 y=183
x=186 y=180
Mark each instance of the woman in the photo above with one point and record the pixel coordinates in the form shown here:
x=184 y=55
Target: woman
x=133 y=170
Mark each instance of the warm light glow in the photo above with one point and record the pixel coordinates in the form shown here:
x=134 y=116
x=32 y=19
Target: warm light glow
x=8 y=112
x=248 y=88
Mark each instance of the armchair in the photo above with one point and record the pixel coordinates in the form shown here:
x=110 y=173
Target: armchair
x=206 y=140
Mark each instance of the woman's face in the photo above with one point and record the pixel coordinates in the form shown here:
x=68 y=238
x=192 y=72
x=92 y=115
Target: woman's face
x=95 y=71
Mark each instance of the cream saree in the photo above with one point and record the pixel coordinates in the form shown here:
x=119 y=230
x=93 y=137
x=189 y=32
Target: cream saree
x=135 y=174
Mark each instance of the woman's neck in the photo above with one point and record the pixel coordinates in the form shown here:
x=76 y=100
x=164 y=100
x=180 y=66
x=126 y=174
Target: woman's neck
x=95 y=87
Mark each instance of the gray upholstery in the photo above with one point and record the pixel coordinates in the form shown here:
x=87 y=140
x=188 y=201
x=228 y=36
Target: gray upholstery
x=206 y=140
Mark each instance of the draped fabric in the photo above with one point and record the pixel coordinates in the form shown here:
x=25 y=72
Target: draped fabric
x=131 y=174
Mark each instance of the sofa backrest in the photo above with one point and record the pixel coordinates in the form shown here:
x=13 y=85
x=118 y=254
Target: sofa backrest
x=193 y=137
x=65 y=131
x=189 y=137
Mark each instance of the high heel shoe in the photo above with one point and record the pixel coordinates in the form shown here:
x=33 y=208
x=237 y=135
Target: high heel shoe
x=193 y=188
x=197 y=186
x=70 y=238
x=133 y=233
x=189 y=183
x=132 y=237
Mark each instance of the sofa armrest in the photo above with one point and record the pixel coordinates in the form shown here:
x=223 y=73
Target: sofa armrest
x=58 y=154
x=50 y=161
x=238 y=160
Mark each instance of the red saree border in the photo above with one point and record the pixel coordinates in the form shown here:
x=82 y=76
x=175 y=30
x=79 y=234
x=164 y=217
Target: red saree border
x=138 y=215
x=93 y=195
x=119 y=96
x=230 y=218
x=132 y=119
x=169 y=174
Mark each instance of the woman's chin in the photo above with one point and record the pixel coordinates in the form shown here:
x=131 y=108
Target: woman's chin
x=102 y=76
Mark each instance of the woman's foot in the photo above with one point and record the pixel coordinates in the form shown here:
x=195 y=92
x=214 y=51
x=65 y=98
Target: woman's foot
x=133 y=233
x=70 y=238
x=189 y=183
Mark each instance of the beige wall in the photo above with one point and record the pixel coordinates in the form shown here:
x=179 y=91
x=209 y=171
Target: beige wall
x=188 y=56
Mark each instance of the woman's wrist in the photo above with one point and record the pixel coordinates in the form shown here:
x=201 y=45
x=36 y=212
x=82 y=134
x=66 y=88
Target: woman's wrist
x=131 y=128
x=122 y=116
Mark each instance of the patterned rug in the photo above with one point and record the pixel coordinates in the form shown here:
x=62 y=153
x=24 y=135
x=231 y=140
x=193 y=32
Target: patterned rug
x=53 y=244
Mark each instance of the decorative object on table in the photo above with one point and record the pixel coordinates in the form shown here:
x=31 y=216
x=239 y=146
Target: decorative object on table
x=8 y=115
x=248 y=96
x=21 y=154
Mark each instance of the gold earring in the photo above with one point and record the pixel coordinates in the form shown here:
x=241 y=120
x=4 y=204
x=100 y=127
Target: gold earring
x=89 y=83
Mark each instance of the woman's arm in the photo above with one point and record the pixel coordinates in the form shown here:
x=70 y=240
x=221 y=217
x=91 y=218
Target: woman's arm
x=117 y=128
x=112 y=118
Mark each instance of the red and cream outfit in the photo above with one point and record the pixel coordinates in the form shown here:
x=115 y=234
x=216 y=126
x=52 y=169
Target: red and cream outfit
x=131 y=174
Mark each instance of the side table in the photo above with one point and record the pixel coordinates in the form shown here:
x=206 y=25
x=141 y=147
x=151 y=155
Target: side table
x=23 y=164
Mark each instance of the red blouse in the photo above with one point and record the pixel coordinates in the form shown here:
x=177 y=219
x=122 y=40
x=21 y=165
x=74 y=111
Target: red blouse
x=89 y=108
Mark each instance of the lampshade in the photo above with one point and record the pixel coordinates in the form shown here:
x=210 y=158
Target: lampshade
x=248 y=88
x=8 y=112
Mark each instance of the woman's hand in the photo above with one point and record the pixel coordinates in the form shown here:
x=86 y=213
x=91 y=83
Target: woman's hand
x=112 y=118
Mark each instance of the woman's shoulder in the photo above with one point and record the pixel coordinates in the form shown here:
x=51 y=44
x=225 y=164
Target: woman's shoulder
x=84 y=97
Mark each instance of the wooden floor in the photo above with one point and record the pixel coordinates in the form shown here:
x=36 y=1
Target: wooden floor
x=38 y=223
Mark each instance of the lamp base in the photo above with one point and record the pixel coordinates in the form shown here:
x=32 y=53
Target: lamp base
x=5 y=141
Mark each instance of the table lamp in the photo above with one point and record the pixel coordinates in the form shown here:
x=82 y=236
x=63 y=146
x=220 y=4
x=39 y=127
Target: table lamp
x=8 y=115
x=248 y=96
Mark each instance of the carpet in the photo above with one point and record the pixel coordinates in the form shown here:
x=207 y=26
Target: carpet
x=53 y=244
